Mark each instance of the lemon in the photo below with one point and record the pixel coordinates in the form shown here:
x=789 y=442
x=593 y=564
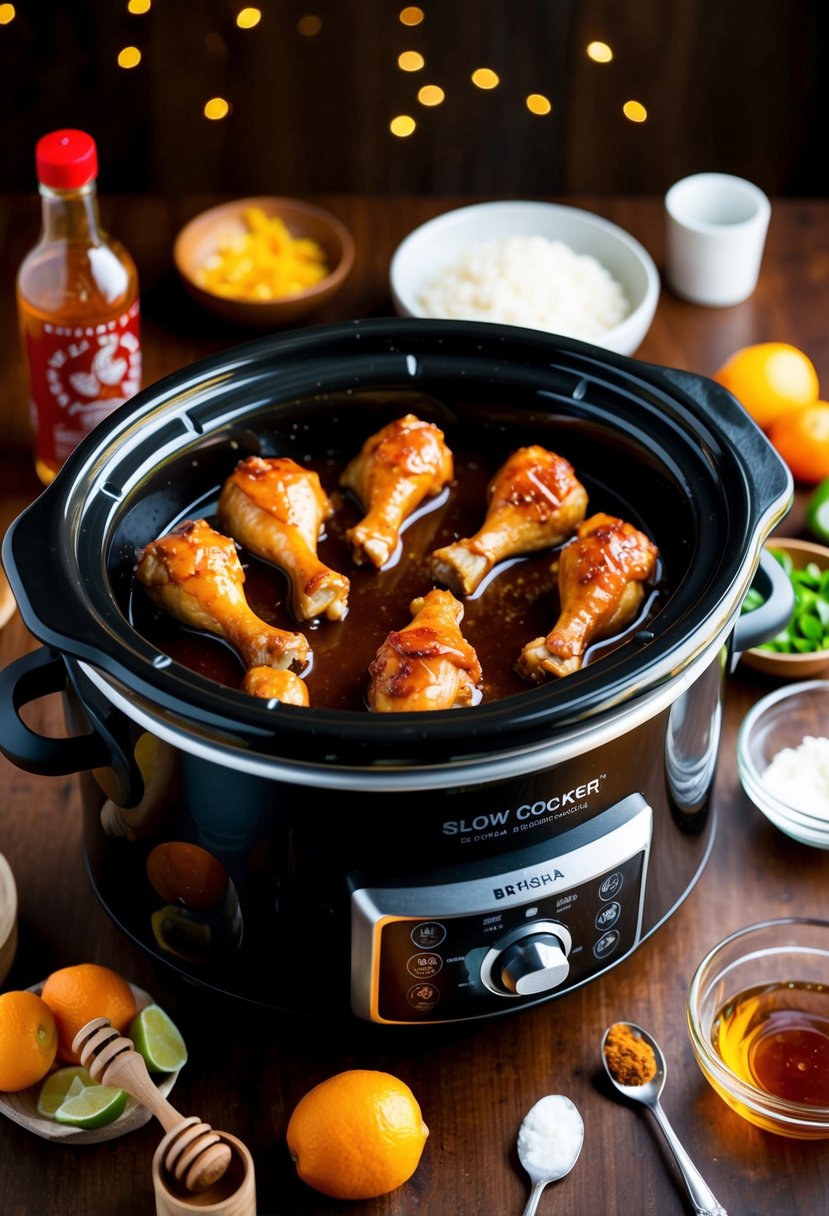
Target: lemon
x=93 y=1106
x=56 y=1088
x=158 y=1040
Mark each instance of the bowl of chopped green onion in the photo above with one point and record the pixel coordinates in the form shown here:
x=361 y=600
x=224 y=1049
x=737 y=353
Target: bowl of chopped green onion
x=801 y=649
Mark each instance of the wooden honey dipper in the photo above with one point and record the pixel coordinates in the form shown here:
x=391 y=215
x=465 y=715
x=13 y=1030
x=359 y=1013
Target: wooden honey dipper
x=196 y=1155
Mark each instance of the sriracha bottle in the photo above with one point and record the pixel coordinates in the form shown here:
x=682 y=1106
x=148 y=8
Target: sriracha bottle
x=78 y=307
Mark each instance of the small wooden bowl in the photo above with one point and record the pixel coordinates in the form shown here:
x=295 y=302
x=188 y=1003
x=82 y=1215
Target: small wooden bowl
x=7 y=600
x=21 y=1107
x=792 y=666
x=203 y=235
x=8 y=918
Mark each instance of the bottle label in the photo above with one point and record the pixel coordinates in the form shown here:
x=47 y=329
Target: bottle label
x=78 y=374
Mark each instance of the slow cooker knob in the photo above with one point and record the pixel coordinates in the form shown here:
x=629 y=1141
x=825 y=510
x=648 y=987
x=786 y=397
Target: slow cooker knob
x=535 y=963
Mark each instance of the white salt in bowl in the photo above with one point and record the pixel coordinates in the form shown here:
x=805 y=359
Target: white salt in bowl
x=435 y=247
x=783 y=720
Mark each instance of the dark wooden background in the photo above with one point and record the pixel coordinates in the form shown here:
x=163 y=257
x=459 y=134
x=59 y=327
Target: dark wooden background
x=729 y=85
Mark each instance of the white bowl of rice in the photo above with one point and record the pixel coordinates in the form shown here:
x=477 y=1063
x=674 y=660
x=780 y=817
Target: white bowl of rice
x=539 y=265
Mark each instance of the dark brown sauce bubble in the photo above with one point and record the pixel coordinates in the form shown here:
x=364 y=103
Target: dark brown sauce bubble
x=518 y=602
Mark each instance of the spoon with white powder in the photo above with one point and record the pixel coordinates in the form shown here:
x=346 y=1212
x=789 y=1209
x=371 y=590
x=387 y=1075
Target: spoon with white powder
x=549 y=1143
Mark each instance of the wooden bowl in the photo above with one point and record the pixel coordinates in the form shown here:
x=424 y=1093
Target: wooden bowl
x=7 y=600
x=793 y=666
x=8 y=918
x=21 y=1107
x=201 y=237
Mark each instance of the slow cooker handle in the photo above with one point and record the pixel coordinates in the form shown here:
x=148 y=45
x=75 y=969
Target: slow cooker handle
x=762 y=623
x=36 y=675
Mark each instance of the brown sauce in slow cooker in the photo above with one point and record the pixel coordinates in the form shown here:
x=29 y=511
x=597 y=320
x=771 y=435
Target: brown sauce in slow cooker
x=519 y=600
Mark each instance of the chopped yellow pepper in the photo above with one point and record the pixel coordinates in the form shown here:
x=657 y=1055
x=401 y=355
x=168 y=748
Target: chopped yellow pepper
x=264 y=263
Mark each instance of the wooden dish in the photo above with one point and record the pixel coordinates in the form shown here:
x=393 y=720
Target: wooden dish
x=201 y=237
x=21 y=1107
x=8 y=918
x=7 y=600
x=792 y=666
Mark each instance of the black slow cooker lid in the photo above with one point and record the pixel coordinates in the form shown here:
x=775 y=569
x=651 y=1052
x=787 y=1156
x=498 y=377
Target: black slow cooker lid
x=704 y=479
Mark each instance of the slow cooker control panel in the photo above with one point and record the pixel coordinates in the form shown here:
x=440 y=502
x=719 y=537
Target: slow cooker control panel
x=450 y=948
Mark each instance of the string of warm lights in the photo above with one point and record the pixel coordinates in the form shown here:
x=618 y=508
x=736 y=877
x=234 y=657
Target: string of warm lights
x=487 y=78
x=410 y=61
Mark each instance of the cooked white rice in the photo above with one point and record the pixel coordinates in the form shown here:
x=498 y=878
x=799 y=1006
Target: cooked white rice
x=529 y=281
x=799 y=776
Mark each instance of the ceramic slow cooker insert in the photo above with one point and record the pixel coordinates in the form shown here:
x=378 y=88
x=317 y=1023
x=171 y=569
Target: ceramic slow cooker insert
x=408 y=868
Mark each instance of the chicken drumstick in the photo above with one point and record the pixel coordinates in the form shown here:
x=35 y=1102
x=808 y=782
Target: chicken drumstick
x=601 y=573
x=194 y=573
x=535 y=502
x=275 y=509
x=396 y=469
x=427 y=665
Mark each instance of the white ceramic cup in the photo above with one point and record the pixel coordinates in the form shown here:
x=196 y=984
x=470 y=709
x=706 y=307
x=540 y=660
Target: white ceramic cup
x=716 y=232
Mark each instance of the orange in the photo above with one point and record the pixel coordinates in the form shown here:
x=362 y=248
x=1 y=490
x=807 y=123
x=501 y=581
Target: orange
x=186 y=873
x=357 y=1135
x=802 y=439
x=84 y=991
x=769 y=379
x=28 y=1040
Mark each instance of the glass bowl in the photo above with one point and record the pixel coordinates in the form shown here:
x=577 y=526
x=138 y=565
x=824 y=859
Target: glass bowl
x=782 y=719
x=758 y=1011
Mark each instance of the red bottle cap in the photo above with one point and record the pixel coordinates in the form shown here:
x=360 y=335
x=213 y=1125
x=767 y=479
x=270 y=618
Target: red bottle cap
x=66 y=159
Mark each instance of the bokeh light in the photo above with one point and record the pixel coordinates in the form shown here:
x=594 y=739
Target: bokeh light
x=129 y=57
x=635 y=111
x=216 y=108
x=410 y=61
x=430 y=95
x=411 y=15
x=7 y=13
x=485 y=78
x=537 y=103
x=247 y=18
x=402 y=125
x=309 y=25
x=599 y=52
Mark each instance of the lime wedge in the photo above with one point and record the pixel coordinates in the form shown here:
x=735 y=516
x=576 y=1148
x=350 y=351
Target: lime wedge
x=58 y=1086
x=158 y=1040
x=94 y=1106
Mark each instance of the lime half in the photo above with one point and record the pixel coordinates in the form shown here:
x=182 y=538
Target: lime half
x=94 y=1106
x=57 y=1087
x=158 y=1040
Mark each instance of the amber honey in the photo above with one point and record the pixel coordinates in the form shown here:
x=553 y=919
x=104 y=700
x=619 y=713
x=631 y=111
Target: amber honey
x=776 y=1038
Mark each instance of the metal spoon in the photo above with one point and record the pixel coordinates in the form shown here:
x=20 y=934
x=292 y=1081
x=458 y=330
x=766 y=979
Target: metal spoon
x=648 y=1094
x=549 y=1143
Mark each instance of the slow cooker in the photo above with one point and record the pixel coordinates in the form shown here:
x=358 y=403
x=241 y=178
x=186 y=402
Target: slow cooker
x=405 y=868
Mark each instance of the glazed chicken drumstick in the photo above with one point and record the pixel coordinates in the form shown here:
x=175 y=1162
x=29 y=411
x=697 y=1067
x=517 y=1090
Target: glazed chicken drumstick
x=194 y=573
x=535 y=502
x=275 y=684
x=404 y=463
x=601 y=576
x=427 y=665
x=275 y=508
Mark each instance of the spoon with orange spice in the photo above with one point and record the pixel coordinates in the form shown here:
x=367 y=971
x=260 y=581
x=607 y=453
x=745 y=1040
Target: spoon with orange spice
x=634 y=1062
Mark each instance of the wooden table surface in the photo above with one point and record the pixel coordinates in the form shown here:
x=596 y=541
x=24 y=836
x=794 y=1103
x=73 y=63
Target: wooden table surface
x=475 y=1082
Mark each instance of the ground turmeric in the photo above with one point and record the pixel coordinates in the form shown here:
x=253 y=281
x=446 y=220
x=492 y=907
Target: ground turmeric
x=630 y=1059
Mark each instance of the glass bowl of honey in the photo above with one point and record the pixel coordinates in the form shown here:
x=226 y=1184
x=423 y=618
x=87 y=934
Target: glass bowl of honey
x=758 y=1017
